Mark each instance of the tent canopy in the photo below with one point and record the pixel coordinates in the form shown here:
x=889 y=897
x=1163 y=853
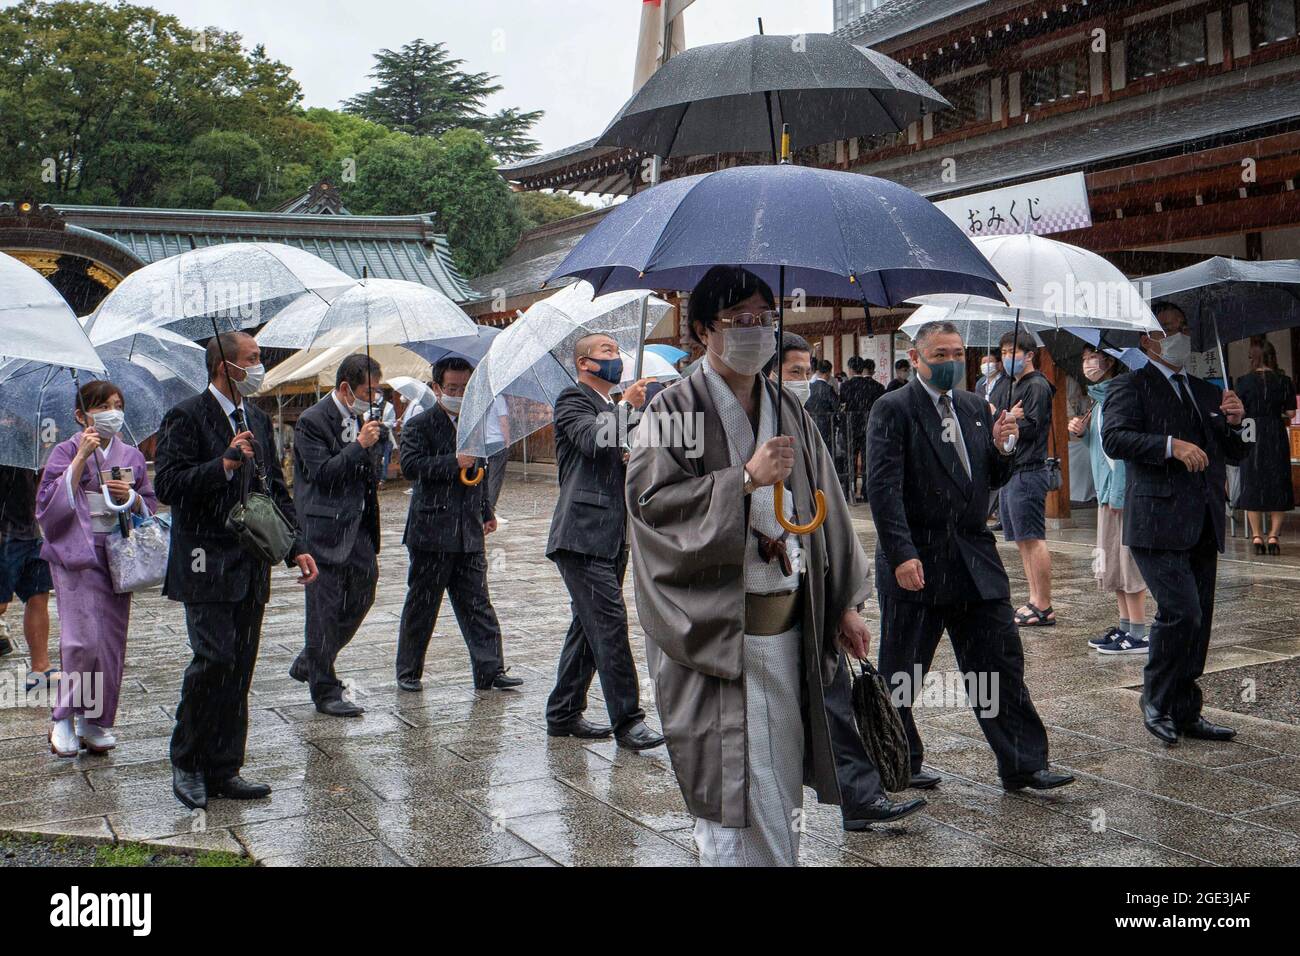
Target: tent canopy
x=313 y=369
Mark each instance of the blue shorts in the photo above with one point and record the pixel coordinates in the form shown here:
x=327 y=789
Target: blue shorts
x=23 y=571
x=1022 y=505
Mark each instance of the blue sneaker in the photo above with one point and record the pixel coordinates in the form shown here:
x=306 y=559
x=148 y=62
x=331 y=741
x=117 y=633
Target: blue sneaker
x=1126 y=644
x=1106 y=638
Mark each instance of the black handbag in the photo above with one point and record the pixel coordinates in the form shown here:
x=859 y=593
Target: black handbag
x=257 y=522
x=1054 y=480
x=881 y=728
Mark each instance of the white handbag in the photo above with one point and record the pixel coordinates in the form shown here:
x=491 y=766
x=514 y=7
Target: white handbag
x=138 y=561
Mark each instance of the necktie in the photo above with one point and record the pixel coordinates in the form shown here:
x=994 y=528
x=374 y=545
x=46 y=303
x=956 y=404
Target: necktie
x=950 y=428
x=1193 y=413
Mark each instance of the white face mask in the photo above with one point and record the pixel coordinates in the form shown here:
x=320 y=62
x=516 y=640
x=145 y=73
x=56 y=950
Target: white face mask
x=988 y=369
x=747 y=350
x=109 y=423
x=254 y=375
x=1177 y=349
x=451 y=402
x=801 y=390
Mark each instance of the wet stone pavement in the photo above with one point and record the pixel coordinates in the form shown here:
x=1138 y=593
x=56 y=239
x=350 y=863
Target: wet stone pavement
x=455 y=776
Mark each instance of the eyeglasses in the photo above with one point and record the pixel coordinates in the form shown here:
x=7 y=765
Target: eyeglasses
x=748 y=320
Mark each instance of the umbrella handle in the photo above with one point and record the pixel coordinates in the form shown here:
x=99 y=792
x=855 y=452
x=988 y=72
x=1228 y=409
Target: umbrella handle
x=471 y=482
x=819 y=514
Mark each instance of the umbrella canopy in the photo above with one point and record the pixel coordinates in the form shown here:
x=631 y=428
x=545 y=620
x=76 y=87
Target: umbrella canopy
x=834 y=234
x=670 y=353
x=472 y=348
x=371 y=312
x=1240 y=298
x=228 y=287
x=37 y=400
x=653 y=366
x=1052 y=284
x=979 y=329
x=531 y=362
x=733 y=97
x=36 y=324
x=1066 y=346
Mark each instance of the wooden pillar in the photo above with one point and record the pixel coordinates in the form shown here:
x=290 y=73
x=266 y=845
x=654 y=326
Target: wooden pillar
x=1058 y=445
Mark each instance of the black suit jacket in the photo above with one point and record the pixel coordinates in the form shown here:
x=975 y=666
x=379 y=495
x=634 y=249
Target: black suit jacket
x=923 y=504
x=445 y=514
x=205 y=563
x=590 y=514
x=1164 y=502
x=821 y=405
x=335 y=482
x=859 y=394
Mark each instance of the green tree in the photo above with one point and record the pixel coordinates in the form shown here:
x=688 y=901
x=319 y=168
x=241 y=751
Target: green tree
x=537 y=208
x=453 y=174
x=422 y=90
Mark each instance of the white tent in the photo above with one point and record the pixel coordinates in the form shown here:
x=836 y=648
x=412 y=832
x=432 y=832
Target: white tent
x=314 y=369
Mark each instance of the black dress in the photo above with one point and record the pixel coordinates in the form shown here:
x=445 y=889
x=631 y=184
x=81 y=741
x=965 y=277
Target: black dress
x=1266 y=471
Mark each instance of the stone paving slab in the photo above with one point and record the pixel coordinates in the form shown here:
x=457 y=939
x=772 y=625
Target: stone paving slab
x=457 y=776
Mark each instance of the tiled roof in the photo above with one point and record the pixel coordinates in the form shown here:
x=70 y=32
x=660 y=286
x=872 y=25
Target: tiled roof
x=897 y=17
x=389 y=247
x=539 y=251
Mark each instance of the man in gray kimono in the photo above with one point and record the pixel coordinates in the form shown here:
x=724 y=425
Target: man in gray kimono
x=745 y=621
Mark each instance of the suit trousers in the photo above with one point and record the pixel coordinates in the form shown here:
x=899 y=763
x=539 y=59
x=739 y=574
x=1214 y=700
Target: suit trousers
x=212 y=716
x=496 y=476
x=986 y=642
x=854 y=769
x=1182 y=582
x=597 y=642
x=337 y=602
x=464 y=576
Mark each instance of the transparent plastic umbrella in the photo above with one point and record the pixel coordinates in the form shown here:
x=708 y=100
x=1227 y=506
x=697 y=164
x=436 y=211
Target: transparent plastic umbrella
x=372 y=312
x=531 y=362
x=37 y=400
x=36 y=324
x=229 y=287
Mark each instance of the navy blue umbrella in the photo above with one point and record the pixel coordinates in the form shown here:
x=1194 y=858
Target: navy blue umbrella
x=830 y=234
x=835 y=234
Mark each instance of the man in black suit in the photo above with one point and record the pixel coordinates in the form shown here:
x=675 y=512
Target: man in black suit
x=858 y=394
x=338 y=452
x=589 y=544
x=935 y=452
x=902 y=372
x=822 y=402
x=210 y=450
x=445 y=527
x=1176 y=432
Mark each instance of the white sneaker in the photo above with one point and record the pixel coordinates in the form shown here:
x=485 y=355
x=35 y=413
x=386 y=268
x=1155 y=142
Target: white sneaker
x=96 y=739
x=63 y=739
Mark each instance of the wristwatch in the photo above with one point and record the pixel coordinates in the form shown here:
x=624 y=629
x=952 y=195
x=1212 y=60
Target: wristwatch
x=749 y=482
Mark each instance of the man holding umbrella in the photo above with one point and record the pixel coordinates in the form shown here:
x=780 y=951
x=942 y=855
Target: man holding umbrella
x=1177 y=433
x=206 y=446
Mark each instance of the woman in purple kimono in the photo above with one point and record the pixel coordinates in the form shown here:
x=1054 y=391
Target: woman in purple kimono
x=78 y=505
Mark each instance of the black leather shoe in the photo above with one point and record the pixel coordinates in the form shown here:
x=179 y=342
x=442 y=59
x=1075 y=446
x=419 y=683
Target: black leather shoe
x=503 y=681
x=638 y=737
x=189 y=788
x=338 y=707
x=1202 y=729
x=579 y=727
x=237 y=788
x=924 y=781
x=1038 y=780
x=298 y=670
x=883 y=810
x=412 y=684
x=1162 y=726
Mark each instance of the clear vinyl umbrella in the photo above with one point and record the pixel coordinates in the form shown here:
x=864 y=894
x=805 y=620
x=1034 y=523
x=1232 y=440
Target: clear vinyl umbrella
x=36 y=324
x=372 y=312
x=222 y=288
x=531 y=362
x=155 y=371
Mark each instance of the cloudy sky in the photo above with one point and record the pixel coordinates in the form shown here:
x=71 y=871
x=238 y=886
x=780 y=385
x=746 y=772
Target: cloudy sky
x=571 y=58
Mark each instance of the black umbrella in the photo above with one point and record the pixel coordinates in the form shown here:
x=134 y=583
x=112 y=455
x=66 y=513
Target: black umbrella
x=734 y=97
